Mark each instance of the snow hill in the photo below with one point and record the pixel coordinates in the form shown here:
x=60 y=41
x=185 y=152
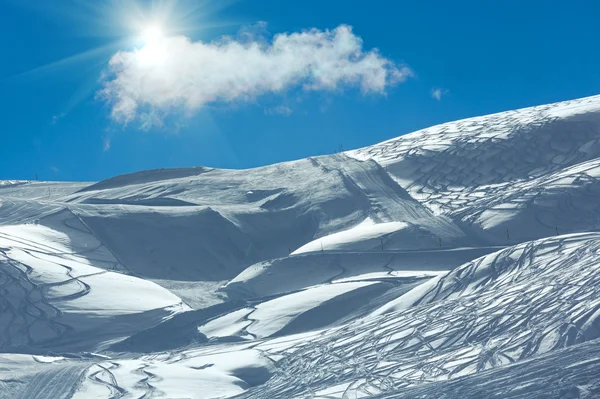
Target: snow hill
x=457 y=261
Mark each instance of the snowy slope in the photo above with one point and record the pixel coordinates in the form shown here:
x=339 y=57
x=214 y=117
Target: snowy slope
x=503 y=171
x=570 y=373
x=389 y=236
x=38 y=190
x=504 y=308
x=512 y=305
x=231 y=219
x=299 y=271
x=54 y=299
x=275 y=316
x=459 y=260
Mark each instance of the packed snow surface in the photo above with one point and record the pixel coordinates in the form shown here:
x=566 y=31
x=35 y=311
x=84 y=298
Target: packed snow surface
x=458 y=261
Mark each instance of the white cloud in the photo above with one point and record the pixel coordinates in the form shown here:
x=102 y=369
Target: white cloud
x=279 y=110
x=178 y=74
x=106 y=144
x=437 y=93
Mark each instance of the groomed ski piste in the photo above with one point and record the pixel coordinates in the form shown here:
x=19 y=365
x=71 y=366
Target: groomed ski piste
x=459 y=261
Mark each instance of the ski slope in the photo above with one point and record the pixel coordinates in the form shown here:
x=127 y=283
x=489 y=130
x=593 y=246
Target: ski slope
x=546 y=302
x=509 y=171
x=567 y=373
x=53 y=298
x=457 y=261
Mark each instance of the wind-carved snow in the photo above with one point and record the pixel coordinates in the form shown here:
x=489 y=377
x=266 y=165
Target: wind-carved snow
x=52 y=297
x=457 y=261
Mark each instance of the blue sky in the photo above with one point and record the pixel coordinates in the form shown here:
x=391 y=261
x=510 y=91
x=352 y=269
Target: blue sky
x=58 y=123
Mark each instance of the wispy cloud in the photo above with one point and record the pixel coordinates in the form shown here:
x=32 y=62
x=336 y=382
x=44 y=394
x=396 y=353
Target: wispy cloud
x=437 y=93
x=279 y=110
x=56 y=118
x=106 y=144
x=177 y=74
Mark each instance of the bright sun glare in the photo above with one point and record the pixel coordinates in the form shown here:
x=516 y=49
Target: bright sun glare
x=153 y=51
x=152 y=34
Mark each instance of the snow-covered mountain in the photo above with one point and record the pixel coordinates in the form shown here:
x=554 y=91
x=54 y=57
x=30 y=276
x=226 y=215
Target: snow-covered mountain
x=461 y=260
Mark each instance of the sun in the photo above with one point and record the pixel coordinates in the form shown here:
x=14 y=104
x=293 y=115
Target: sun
x=152 y=34
x=153 y=50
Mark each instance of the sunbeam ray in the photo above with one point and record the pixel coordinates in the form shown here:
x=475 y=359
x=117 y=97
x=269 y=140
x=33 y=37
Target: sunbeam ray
x=103 y=51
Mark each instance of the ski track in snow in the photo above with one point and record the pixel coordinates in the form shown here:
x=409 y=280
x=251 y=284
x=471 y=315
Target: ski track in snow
x=501 y=163
x=56 y=383
x=544 y=304
x=459 y=261
x=41 y=279
x=571 y=373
